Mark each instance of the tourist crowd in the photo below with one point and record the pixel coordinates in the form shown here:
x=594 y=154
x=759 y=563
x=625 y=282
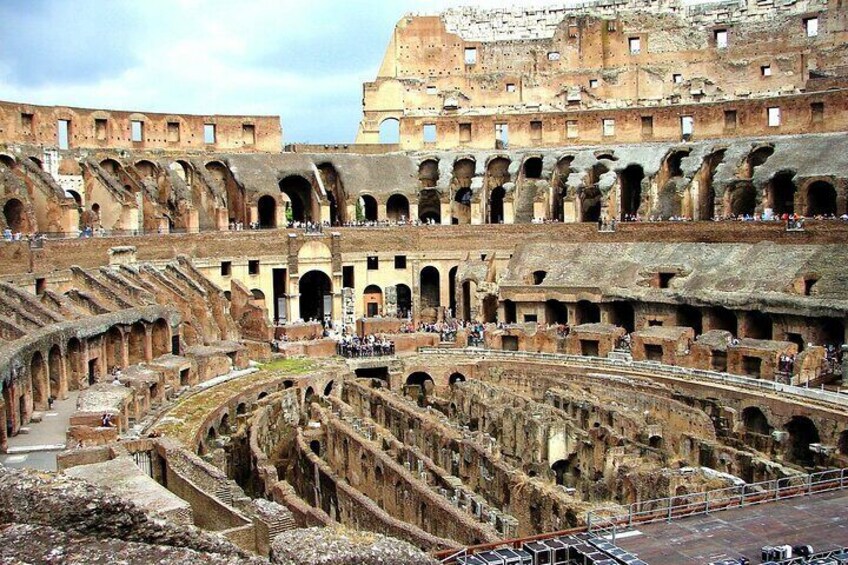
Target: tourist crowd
x=352 y=346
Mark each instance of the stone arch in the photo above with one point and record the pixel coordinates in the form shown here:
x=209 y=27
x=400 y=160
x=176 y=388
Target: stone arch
x=496 y=205
x=56 y=365
x=160 y=338
x=372 y=301
x=308 y=394
x=114 y=344
x=757 y=157
x=533 y=168
x=7 y=160
x=802 y=432
x=328 y=389
x=631 y=189
x=404 y=300
x=755 y=421
x=136 y=344
x=183 y=170
x=111 y=166
x=397 y=207
x=430 y=285
x=15 y=215
x=456 y=378
x=301 y=196
x=430 y=206
x=560 y=186
x=556 y=312
x=656 y=442
x=390 y=131
x=781 y=193
x=146 y=169
x=241 y=408
x=316 y=291
x=421 y=379
x=258 y=297
x=39 y=377
x=820 y=197
x=368 y=207
x=266 y=208
x=315 y=447
x=565 y=471
x=224 y=424
x=428 y=173
x=539 y=277
x=743 y=199
x=587 y=312
x=707 y=192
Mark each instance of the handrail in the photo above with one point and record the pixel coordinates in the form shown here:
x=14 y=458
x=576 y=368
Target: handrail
x=653 y=367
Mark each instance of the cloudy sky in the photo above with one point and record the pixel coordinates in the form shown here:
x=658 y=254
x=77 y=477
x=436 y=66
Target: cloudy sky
x=304 y=60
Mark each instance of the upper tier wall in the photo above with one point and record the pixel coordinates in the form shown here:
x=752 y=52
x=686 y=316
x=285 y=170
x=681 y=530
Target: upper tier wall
x=102 y=129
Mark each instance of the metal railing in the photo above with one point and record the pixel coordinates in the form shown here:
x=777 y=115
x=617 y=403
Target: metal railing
x=740 y=496
x=654 y=368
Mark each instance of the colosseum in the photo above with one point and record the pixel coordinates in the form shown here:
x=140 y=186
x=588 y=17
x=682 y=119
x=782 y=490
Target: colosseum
x=573 y=296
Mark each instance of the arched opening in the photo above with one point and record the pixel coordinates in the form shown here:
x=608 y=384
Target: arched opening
x=588 y=313
x=463 y=173
x=560 y=186
x=533 y=168
x=674 y=163
x=367 y=208
x=40 y=387
x=756 y=158
x=456 y=378
x=316 y=296
x=821 y=199
x=15 y=216
x=267 y=210
x=466 y=300
x=755 y=421
x=160 y=338
x=308 y=395
x=404 y=301
x=397 y=208
x=261 y=395
x=136 y=344
x=539 y=277
x=782 y=193
x=287 y=384
x=655 y=442
x=565 y=472
x=496 y=205
x=258 y=297
x=7 y=161
x=832 y=331
x=556 y=312
x=624 y=316
x=743 y=199
x=430 y=288
x=590 y=203
x=428 y=173
x=429 y=206
x=724 y=319
x=420 y=379
x=758 y=325
x=631 y=190
x=372 y=299
x=802 y=432
x=490 y=309
x=114 y=349
x=328 y=390
x=315 y=447
x=390 y=131
x=57 y=370
x=690 y=317
x=452 y=290
x=76 y=367
x=183 y=171
x=241 y=409
x=224 y=426
x=146 y=169
x=111 y=166
x=300 y=195
x=336 y=195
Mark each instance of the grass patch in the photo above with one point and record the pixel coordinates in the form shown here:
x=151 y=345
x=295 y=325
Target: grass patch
x=287 y=365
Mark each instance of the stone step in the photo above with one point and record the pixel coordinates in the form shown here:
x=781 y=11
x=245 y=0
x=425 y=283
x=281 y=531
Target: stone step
x=36 y=417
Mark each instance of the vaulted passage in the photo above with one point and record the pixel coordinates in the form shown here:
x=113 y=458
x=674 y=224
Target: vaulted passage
x=802 y=432
x=821 y=199
x=299 y=193
x=496 y=205
x=397 y=208
x=631 y=190
x=13 y=212
x=267 y=208
x=783 y=194
x=430 y=288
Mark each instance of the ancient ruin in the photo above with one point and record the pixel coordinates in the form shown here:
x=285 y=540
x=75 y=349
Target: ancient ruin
x=597 y=283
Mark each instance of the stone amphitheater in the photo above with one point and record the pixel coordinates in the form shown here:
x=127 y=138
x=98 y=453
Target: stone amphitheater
x=588 y=307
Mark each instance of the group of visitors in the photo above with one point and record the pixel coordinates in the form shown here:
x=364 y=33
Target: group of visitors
x=352 y=346
x=832 y=359
x=785 y=364
x=606 y=225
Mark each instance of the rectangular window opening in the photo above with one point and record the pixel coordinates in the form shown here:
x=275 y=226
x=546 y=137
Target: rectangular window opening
x=429 y=133
x=635 y=44
x=209 y=134
x=173 y=132
x=571 y=130
x=809 y=285
x=100 y=129
x=470 y=55
x=26 y=124
x=248 y=134
x=811 y=25
x=647 y=126
x=510 y=87
x=226 y=268
x=400 y=261
x=653 y=352
x=373 y=263
x=501 y=136
x=687 y=126
x=730 y=120
x=721 y=38
x=40 y=286
x=774 y=117
x=817 y=112
x=751 y=366
x=253 y=267
x=554 y=56
x=432 y=90
x=664 y=279
x=136 y=131
x=677 y=78
x=593 y=83
x=64 y=133
x=347 y=276
x=765 y=70
x=536 y=130
x=464 y=133
x=608 y=127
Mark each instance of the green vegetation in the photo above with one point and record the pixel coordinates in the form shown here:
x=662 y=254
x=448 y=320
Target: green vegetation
x=287 y=365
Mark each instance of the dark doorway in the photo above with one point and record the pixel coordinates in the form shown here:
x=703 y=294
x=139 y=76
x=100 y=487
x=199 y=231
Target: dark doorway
x=821 y=199
x=631 y=190
x=299 y=192
x=783 y=194
x=404 y=301
x=430 y=288
x=316 y=296
x=280 y=299
x=496 y=205
x=267 y=207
